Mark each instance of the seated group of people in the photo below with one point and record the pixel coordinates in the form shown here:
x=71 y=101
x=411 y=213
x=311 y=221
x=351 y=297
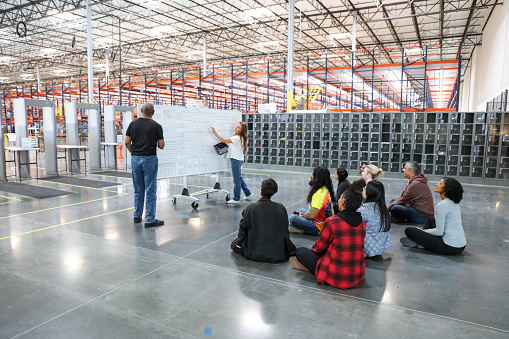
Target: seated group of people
x=352 y=223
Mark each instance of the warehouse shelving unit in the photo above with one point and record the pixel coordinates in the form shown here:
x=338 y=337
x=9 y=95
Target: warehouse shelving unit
x=473 y=146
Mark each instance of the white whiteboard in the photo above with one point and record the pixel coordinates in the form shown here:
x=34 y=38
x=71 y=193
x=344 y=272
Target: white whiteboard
x=189 y=140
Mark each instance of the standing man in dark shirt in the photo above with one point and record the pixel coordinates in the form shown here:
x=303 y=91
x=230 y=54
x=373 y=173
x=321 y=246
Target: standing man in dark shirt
x=141 y=138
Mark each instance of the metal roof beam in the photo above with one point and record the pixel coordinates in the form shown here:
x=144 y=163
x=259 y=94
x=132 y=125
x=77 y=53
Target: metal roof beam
x=469 y=20
x=368 y=29
x=416 y=26
x=391 y=27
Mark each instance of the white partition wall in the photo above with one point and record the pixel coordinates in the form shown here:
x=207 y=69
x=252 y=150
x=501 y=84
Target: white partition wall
x=49 y=130
x=110 y=133
x=50 y=139
x=72 y=130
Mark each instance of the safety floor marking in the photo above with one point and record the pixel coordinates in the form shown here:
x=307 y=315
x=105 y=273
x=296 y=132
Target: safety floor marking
x=3 y=196
x=68 y=205
x=72 y=221
x=94 y=188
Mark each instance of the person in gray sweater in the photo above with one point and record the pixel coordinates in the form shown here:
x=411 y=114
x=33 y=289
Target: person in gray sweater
x=443 y=233
x=375 y=215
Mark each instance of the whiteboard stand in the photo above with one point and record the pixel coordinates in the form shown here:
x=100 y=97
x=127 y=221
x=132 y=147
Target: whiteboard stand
x=185 y=193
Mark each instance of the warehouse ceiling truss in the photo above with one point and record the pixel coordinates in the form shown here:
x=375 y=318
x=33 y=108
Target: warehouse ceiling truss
x=49 y=37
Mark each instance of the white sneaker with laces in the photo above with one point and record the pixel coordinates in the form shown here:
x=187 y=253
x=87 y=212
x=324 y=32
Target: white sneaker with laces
x=233 y=202
x=248 y=197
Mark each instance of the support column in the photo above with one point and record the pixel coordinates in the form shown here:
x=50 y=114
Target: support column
x=38 y=80
x=291 y=32
x=90 y=57
x=354 y=37
x=205 y=53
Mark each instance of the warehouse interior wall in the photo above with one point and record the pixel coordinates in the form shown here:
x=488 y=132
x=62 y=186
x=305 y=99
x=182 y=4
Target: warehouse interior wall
x=487 y=73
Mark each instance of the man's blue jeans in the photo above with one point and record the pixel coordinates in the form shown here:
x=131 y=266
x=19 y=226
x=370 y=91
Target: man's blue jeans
x=408 y=213
x=303 y=223
x=145 y=181
x=238 y=181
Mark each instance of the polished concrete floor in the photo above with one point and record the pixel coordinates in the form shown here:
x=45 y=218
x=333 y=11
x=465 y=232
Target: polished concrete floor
x=78 y=267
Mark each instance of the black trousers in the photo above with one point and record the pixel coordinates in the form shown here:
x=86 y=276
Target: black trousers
x=307 y=258
x=430 y=241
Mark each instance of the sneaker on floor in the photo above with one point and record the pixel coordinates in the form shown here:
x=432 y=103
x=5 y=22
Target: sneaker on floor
x=233 y=202
x=407 y=242
x=137 y=220
x=296 y=230
x=154 y=223
x=248 y=197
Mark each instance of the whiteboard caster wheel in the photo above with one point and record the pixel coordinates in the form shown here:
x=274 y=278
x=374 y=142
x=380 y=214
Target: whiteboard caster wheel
x=207 y=195
x=194 y=205
x=174 y=201
x=228 y=198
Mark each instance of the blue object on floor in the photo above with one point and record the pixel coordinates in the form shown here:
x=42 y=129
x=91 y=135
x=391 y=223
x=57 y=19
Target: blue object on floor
x=208 y=330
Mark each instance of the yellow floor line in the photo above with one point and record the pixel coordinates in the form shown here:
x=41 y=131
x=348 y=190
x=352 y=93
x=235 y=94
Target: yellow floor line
x=100 y=189
x=57 y=207
x=3 y=196
x=109 y=176
x=65 y=223
x=71 y=222
x=265 y=175
x=7 y=202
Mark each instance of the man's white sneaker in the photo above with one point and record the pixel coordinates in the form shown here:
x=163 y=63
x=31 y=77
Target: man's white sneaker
x=248 y=197
x=233 y=202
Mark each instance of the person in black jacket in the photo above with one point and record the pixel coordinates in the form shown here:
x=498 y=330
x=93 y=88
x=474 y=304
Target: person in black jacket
x=263 y=230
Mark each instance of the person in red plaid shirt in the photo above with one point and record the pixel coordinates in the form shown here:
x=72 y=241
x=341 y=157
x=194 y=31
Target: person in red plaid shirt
x=337 y=258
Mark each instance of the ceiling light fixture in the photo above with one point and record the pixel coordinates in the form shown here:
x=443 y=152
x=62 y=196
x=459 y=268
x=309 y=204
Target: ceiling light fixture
x=332 y=37
x=60 y=72
x=139 y=62
x=4 y=80
x=153 y=4
x=7 y=60
x=162 y=32
x=99 y=67
x=195 y=55
x=26 y=76
x=267 y=46
x=104 y=42
x=413 y=51
x=252 y=16
x=50 y=53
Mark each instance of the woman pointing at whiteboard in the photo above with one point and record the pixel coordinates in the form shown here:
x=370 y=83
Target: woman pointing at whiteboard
x=237 y=146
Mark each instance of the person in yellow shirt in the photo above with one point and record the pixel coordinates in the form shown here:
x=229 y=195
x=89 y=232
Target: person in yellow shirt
x=320 y=199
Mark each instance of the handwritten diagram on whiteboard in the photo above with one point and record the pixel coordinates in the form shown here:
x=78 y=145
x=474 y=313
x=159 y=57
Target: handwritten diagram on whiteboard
x=189 y=141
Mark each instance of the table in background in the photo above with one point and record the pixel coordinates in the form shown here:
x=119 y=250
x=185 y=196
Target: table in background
x=114 y=145
x=68 y=150
x=16 y=151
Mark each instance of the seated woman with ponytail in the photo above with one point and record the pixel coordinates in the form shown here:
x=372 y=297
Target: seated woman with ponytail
x=337 y=258
x=375 y=215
